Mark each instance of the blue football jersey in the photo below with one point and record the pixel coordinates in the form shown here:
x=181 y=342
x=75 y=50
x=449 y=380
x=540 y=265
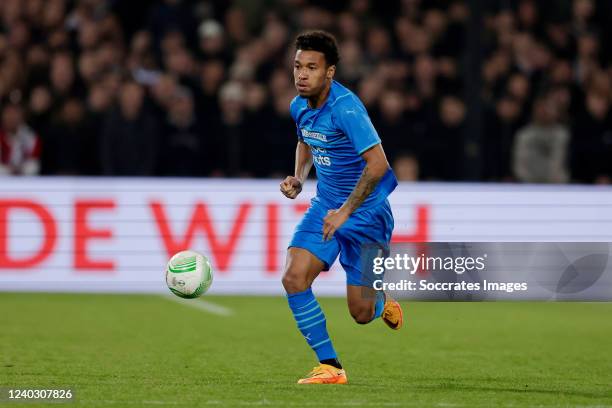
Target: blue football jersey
x=338 y=133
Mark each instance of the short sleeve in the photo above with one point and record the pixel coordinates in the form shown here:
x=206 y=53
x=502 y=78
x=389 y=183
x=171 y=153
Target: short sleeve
x=352 y=119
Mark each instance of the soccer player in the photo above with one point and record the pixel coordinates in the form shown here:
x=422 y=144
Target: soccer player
x=350 y=211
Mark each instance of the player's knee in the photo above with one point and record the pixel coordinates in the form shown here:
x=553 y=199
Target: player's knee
x=362 y=315
x=294 y=282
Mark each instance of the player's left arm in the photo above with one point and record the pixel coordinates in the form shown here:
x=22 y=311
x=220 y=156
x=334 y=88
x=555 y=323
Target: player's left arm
x=376 y=167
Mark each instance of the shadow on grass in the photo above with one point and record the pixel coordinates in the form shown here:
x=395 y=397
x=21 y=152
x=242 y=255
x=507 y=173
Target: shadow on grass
x=495 y=389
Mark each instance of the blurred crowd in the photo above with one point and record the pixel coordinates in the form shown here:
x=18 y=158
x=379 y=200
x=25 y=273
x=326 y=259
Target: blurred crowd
x=202 y=87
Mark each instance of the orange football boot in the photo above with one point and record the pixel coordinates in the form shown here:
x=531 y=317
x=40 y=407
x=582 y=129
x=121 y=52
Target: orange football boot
x=325 y=374
x=392 y=314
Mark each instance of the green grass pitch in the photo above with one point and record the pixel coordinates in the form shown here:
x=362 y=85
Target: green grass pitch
x=132 y=351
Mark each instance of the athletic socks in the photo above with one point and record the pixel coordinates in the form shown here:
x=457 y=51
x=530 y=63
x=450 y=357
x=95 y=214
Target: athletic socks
x=311 y=322
x=332 y=362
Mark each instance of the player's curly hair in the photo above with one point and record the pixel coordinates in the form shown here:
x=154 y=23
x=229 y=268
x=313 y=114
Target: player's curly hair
x=321 y=41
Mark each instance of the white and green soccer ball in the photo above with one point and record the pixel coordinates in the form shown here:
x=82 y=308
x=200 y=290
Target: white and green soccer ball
x=188 y=274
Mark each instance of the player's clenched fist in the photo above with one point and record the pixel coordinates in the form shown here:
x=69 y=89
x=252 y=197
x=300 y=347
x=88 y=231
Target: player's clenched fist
x=291 y=187
x=332 y=222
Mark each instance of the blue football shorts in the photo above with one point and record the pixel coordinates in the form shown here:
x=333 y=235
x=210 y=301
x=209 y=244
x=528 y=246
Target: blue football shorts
x=365 y=235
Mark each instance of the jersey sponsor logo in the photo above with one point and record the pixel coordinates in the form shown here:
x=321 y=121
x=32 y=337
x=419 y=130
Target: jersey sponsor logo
x=313 y=135
x=318 y=158
x=322 y=160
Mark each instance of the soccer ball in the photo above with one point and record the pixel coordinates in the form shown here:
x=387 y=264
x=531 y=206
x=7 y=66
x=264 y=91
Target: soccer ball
x=188 y=274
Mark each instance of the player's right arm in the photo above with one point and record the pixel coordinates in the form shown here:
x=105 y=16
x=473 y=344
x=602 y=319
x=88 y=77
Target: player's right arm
x=292 y=185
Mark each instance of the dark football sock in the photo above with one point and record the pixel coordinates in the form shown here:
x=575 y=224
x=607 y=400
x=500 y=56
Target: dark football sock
x=332 y=362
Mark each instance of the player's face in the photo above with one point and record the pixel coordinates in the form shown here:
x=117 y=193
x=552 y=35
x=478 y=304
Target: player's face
x=311 y=73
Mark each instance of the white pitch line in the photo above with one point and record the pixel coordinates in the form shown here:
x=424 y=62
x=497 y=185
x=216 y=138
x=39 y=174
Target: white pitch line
x=201 y=305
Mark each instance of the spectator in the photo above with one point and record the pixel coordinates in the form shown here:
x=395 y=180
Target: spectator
x=392 y=125
x=184 y=141
x=19 y=145
x=99 y=103
x=62 y=76
x=40 y=105
x=130 y=137
x=444 y=151
x=592 y=141
x=69 y=147
x=503 y=121
x=279 y=136
x=212 y=41
x=230 y=153
x=406 y=167
x=172 y=15
x=540 y=148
